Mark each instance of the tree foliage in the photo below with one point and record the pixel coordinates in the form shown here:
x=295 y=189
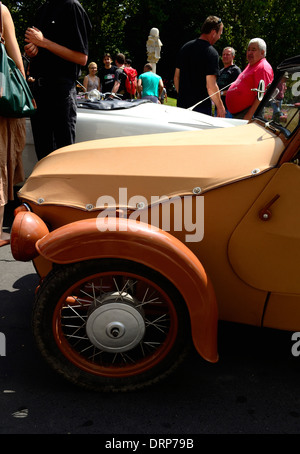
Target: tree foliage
x=125 y=26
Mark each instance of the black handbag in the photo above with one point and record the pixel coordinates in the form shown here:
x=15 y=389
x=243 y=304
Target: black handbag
x=16 y=99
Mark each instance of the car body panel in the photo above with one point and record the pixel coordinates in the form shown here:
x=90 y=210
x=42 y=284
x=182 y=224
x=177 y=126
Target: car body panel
x=140 y=119
x=224 y=209
x=101 y=121
x=265 y=253
x=159 y=168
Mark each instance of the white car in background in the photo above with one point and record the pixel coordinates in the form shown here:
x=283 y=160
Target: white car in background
x=118 y=118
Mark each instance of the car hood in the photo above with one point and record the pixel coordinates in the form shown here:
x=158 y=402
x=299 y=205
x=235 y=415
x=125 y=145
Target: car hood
x=168 y=164
x=142 y=118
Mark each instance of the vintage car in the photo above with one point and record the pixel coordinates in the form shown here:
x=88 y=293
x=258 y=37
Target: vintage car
x=143 y=245
x=116 y=118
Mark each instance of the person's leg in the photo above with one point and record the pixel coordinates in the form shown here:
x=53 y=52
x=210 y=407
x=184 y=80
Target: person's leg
x=64 y=121
x=42 y=122
x=4 y=237
x=205 y=108
x=4 y=146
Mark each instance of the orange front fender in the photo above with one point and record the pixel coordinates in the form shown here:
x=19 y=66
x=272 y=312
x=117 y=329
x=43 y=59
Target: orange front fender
x=139 y=242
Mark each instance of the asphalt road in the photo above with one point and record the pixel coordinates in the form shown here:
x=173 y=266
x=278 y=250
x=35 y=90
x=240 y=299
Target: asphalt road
x=254 y=389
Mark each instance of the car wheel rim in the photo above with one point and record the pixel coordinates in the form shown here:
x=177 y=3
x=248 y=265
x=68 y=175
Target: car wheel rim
x=115 y=324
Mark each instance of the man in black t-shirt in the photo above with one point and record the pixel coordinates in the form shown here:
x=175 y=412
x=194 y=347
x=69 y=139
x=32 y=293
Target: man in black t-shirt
x=197 y=69
x=121 y=77
x=228 y=74
x=58 y=46
x=107 y=74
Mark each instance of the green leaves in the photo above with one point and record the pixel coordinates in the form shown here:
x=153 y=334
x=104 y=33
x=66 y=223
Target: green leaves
x=124 y=26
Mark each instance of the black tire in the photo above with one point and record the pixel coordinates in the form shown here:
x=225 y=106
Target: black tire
x=87 y=312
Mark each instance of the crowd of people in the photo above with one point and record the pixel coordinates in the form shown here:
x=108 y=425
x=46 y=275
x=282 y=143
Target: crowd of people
x=120 y=78
x=200 y=82
x=57 y=46
x=198 y=79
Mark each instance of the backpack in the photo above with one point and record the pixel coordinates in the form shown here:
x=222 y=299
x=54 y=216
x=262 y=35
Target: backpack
x=131 y=80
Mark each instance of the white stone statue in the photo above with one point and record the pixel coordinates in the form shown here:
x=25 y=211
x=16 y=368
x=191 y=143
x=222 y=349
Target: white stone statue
x=153 y=47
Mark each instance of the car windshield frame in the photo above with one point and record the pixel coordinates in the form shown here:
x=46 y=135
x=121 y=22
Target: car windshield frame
x=280 y=106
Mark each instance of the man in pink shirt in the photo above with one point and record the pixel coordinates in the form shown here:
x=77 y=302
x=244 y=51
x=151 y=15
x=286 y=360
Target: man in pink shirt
x=241 y=101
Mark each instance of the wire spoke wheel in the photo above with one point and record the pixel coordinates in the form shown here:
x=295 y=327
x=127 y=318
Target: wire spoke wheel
x=110 y=324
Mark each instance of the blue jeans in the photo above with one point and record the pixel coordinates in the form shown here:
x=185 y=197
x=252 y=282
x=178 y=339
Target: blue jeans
x=276 y=106
x=227 y=115
x=152 y=98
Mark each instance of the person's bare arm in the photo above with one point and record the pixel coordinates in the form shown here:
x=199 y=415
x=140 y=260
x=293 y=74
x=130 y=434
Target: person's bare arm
x=116 y=86
x=215 y=96
x=11 y=44
x=176 y=79
x=34 y=36
x=139 y=88
x=252 y=109
x=85 y=82
x=160 y=88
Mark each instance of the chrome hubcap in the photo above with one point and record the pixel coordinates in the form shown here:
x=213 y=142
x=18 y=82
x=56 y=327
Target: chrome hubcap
x=115 y=326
